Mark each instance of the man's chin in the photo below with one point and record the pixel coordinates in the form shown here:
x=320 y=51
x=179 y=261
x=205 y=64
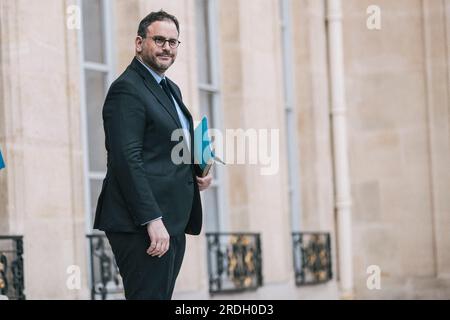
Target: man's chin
x=164 y=66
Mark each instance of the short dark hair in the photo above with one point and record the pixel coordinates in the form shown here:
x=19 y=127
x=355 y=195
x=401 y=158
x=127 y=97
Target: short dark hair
x=160 y=15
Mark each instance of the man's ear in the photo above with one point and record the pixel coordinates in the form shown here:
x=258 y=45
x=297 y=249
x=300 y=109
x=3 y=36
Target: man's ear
x=138 y=44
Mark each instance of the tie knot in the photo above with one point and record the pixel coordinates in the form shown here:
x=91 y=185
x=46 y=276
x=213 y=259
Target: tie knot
x=163 y=82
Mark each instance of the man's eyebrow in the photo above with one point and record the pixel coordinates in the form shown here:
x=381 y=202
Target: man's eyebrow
x=158 y=36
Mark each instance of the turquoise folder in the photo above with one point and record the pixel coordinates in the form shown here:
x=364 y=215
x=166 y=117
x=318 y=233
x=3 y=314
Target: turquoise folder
x=203 y=155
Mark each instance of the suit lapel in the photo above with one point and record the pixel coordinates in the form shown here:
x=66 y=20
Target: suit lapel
x=181 y=105
x=186 y=113
x=163 y=99
x=156 y=90
x=178 y=99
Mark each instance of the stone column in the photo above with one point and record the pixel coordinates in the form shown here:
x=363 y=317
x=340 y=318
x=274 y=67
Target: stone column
x=253 y=100
x=42 y=189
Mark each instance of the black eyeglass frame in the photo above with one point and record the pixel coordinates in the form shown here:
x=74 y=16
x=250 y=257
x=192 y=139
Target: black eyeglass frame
x=161 y=42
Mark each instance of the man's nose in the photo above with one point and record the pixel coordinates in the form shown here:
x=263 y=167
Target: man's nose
x=164 y=45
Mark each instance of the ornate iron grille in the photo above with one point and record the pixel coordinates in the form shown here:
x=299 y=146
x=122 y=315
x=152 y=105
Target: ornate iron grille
x=12 y=283
x=234 y=262
x=106 y=282
x=312 y=257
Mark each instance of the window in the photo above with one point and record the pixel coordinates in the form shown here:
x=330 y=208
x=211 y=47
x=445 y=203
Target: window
x=209 y=98
x=97 y=75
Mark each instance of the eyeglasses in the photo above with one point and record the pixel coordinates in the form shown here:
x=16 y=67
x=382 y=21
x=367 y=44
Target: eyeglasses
x=161 y=42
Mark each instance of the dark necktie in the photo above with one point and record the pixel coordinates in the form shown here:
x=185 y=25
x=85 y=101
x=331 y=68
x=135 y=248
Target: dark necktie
x=166 y=89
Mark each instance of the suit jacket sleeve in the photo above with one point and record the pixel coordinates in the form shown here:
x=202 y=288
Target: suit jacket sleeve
x=125 y=123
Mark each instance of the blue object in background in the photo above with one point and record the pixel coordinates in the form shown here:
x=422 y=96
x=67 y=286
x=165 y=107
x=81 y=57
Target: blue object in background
x=2 y=163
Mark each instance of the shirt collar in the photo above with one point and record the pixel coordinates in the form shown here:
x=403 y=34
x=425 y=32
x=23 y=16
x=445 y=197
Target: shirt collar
x=155 y=75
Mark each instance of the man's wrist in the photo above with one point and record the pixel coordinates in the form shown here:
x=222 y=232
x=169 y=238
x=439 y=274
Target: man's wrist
x=144 y=224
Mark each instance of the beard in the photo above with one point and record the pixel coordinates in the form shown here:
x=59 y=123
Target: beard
x=158 y=65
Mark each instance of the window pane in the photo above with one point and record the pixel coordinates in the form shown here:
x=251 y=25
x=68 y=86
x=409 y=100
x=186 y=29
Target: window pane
x=204 y=62
x=93 y=31
x=95 y=94
x=211 y=208
x=206 y=107
x=96 y=187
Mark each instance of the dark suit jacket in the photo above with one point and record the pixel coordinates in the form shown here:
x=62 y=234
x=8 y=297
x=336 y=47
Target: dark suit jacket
x=142 y=183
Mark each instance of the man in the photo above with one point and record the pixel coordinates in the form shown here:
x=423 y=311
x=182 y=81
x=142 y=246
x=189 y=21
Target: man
x=148 y=202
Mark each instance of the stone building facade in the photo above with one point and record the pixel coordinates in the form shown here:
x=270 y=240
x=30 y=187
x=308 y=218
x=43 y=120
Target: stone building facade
x=340 y=94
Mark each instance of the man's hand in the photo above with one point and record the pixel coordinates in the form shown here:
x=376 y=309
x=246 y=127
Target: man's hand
x=205 y=182
x=159 y=238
